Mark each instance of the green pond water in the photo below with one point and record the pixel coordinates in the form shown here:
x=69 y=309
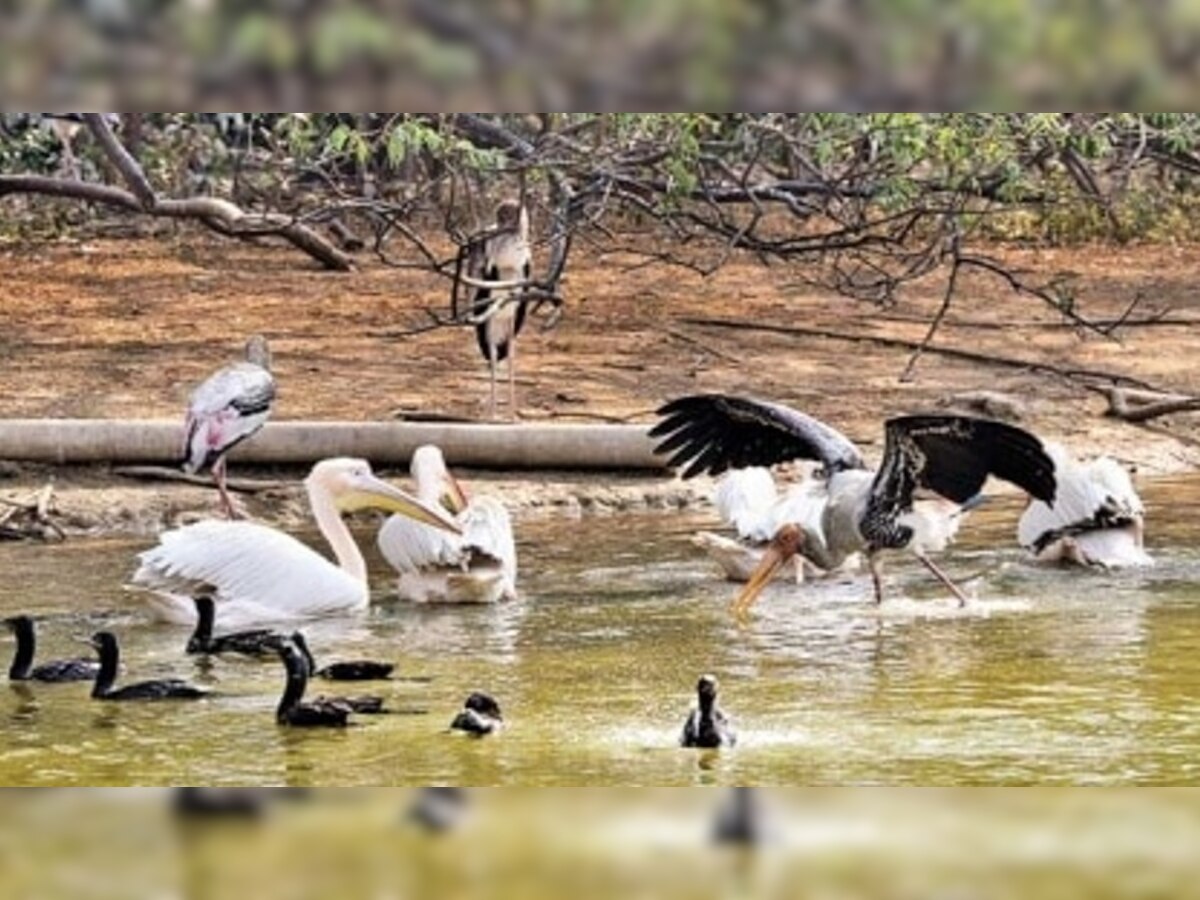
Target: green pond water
x=1051 y=677
x=523 y=843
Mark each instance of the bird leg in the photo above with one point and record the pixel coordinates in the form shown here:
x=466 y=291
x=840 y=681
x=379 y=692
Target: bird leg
x=492 y=365
x=218 y=471
x=875 y=564
x=512 y=378
x=943 y=578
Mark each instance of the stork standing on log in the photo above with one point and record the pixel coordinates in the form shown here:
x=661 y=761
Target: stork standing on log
x=229 y=407
x=933 y=468
x=504 y=257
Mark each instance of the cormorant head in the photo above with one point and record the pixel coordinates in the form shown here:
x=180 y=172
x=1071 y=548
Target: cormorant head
x=484 y=705
x=103 y=642
x=19 y=624
x=706 y=690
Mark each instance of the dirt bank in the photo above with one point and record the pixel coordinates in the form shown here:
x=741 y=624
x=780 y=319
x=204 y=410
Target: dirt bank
x=124 y=328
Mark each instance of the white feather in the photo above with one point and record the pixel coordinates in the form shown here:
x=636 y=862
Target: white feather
x=1082 y=490
x=749 y=502
x=258 y=575
x=745 y=499
x=480 y=566
x=214 y=421
x=935 y=523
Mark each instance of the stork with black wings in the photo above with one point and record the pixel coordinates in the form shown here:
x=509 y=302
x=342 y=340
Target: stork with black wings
x=503 y=260
x=932 y=470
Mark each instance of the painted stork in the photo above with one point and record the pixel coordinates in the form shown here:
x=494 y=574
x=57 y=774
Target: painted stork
x=258 y=576
x=749 y=502
x=506 y=258
x=229 y=407
x=1097 y=518
x=933 y=467
x=478 y=566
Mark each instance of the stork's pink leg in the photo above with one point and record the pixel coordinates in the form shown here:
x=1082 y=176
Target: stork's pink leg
x=218 y=471
x=875 y=564
x=493 y=364
x=512 y=378
x=944 y=579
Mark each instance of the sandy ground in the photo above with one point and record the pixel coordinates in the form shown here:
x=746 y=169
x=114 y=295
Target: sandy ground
x=125 y=328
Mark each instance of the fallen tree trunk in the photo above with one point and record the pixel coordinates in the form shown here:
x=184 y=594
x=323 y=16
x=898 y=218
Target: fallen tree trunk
x=599 y=447
x=1142 y=406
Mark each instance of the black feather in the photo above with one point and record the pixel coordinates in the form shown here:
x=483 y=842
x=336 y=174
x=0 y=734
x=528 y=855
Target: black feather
x=710 y=433
x=954 y=455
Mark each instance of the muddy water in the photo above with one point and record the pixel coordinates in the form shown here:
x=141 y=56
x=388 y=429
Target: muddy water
x=1049 y=677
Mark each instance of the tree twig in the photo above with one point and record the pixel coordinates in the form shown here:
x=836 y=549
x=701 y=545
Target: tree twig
x=952 y=352
x=162 y=473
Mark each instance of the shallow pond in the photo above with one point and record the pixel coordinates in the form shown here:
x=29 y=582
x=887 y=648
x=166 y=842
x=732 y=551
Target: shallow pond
x=528 y=844
x=1050 y=677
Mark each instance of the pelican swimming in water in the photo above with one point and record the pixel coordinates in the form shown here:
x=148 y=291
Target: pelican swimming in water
x=933 y=468
x=226 y=409
x=478 y=566
x=749 y=502
x=259 y=576
x=1096 y=519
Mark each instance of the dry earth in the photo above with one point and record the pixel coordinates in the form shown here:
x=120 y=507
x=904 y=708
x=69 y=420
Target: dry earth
x=124 y=328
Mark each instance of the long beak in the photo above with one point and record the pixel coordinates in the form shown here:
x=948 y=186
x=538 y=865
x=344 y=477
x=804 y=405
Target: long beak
x=374 y=493
x=454 y=497
x=84 y=640
x=773 y=560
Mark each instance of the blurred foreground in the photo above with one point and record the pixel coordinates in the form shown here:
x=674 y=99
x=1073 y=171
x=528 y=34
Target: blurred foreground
x=530 y=843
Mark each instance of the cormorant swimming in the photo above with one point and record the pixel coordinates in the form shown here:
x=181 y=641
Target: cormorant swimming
x=707 y=726
x=55 y=671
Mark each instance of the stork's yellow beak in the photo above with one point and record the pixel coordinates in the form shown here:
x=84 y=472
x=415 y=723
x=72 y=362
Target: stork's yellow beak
x=783 y=547
x=369 y=492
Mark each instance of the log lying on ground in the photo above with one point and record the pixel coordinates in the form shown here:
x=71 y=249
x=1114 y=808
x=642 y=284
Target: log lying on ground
x=1143 y=406
x=598 y=447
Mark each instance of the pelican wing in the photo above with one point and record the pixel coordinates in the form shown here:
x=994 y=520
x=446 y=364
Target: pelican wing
x=487 y=533
x=715 y=432
x=225 y=410
x=257 y=574
x=953 y=457
x=1096 y=505
x=745 y=499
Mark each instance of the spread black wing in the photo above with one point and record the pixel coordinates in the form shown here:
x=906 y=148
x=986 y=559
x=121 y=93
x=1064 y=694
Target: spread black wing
x=710 y=433
x=952 y=456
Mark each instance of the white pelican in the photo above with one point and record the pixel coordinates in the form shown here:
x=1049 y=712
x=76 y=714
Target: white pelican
x=229 y=407
x=478 y=566
x=933 y=467
x=748 y=501
x=506 y=258
x=258 y=575
x=1097 y=518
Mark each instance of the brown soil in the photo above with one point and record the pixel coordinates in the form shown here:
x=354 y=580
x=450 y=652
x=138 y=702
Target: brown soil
x=125 y=328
